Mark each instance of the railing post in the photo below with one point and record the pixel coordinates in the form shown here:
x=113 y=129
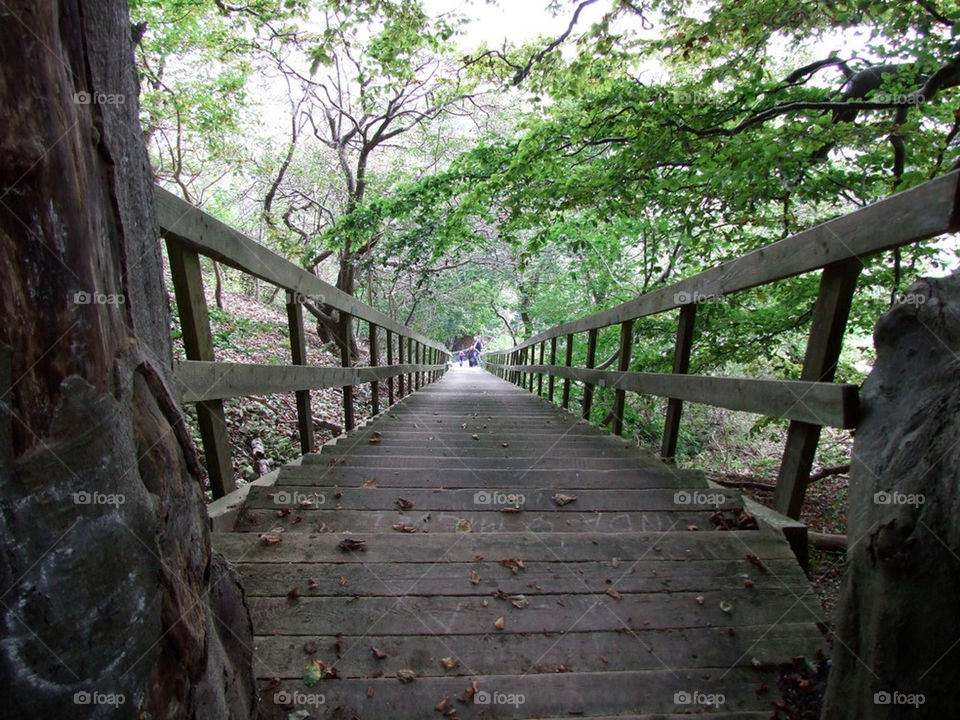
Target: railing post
x=515 y=372
x=837 y=285
x=401 y=377
x=540 y=374
x=298 y=351
x=198 y=344
x=390 y=362
x=417 y=375
x=410 y=360
x=568 y=361
x=374 y=362
x=553 y=361
x=591 y=361
x=681 y=364
x=346 y=360
x=619 y=395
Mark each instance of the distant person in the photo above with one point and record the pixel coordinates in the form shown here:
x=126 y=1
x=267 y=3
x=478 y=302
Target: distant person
x=460 y=357
x=474 y=352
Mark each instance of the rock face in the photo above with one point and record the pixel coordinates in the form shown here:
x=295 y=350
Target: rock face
x=897 y=652
x=112 y=602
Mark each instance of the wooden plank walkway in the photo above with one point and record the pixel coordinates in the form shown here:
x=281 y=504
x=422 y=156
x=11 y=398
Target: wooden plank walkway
x=498 y=600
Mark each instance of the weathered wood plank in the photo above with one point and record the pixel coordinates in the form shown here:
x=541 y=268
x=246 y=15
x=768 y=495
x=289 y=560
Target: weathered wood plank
x=516 y=654
x=551 y=578
x=826 y=403
x=565 y=547
x=449 y=616
x=494 y=498
x=197 y=380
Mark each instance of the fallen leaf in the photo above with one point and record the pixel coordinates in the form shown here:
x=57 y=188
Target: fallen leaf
x=352 y=544
x=310 y=647
x=284 y=512
x=511 y=509
x=294 y=593
x=312 y=584
x=331 y=673
x=505 y=444
x=449 y=663
x=463 y=426
x=403 y=503
x=371 y=483
x=463 y=525
x=484 y=602
x=475 y=577
x=615 y=562
x=273 y=537
x=467 y=695
x=519 y=601
x=406 y=676
x=342 y=581
x=406 y=528
x=756 y=561
x=475 y=437
x=748 y=583
x=379 y=654
x=693 y=527
x=700 y=599
x=370 y=691
x=613 y=593
x=726 y=607
x=375 y=438
x=562 y=499
x=500 y=623
x=443 y=705
x=313 y=673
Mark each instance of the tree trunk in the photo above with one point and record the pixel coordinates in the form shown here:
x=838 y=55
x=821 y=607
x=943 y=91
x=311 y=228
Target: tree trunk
x=111 y=588
x=896 y=619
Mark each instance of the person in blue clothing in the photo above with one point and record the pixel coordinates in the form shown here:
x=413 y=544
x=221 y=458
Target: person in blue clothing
x=460 y=357
x=474 y=352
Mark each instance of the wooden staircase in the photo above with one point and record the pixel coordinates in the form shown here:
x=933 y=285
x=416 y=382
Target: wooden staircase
x=431 y=564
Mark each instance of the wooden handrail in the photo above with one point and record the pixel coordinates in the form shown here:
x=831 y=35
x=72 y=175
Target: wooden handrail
x=189 y=233
x=192 y=227
x=920 y=213
x=837 y=248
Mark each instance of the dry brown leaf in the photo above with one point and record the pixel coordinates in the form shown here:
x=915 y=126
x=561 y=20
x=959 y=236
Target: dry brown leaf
x=449 y=663
x=378 y=653
x=519 y=601
x=500 y=623
x=406 y=676
x=370 y=691
x=403 y=503
x=475 y=577
x=406 y=528
x=371 y=483
x=613 y=593
x=561 y=499
x=342 y=581
x=352 y=544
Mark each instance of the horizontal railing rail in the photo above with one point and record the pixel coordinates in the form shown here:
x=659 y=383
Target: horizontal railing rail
x=836 y=248
x=412 y=360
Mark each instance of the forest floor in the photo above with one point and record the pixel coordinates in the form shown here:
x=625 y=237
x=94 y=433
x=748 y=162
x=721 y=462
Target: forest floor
x=733 y=447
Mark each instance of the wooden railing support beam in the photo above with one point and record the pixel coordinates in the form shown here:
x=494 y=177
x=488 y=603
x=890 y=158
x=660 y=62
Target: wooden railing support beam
x=837 y=285
x=620 y=395
x=681 y=364
x=298 y=352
